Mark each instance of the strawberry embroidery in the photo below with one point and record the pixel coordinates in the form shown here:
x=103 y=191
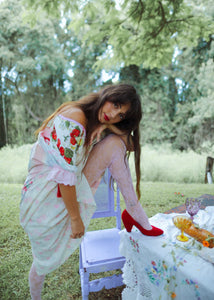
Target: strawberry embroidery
x=75 y=132
x=58 y=143
x=72 y=140
x=75 y=137
x=62 y=151
x=53 y=134
x=68 y=159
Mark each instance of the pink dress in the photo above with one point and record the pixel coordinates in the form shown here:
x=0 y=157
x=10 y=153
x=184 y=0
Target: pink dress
x=57 y=157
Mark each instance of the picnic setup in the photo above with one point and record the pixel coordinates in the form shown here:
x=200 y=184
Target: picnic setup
x=178 y=264
x=168 y=267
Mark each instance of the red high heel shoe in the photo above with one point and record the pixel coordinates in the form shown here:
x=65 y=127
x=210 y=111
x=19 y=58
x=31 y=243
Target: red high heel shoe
x=128 y=222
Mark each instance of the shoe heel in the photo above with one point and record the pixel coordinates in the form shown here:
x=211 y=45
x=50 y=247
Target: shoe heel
x=128 y=226
x=126 y=221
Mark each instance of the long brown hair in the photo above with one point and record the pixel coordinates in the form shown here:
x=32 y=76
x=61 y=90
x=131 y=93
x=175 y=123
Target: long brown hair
x=91 y=104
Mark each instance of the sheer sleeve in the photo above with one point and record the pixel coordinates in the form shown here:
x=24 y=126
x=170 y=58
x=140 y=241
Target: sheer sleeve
x=63 y=142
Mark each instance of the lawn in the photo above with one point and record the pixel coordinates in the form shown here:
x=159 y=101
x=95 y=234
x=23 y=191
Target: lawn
x=64 y=283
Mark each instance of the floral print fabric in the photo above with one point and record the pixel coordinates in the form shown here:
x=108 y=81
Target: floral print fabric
x=164 y=268
x=57 y=157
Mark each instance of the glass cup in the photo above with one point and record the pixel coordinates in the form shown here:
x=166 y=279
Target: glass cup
x=192 y=206
x=182 y=222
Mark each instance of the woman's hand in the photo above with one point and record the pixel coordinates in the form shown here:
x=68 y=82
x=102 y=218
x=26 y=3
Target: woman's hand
x=70 y=199
x=97 y=133
x=78 y=228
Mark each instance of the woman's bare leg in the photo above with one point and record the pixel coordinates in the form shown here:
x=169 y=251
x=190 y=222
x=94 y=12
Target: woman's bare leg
x=109 y=153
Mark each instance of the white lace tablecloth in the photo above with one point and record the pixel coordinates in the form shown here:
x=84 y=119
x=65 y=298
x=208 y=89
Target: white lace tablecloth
x=164 y=268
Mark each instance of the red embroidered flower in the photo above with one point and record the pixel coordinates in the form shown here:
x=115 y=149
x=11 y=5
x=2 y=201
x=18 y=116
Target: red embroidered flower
x=75 y=132
x=67 y=159
x=54 y=136
x=61 y=150
x=58 y=143
x=47 y=140
x=72 y=140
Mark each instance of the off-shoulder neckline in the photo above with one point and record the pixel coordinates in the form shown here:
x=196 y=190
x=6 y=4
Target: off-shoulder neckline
x=71 y=120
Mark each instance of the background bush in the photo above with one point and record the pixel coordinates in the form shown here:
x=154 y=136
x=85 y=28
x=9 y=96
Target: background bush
x=159 y=164
x=14 y=163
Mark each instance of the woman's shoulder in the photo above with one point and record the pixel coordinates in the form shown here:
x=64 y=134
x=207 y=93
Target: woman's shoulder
x=76 y=114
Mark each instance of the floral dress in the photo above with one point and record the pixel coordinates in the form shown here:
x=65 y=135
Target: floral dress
x=57 y=157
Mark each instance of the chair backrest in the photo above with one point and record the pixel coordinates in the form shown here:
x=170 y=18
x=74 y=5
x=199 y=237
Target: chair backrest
x=107 y=200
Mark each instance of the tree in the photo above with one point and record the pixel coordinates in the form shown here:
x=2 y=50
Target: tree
x=203 y=120
x=10 y=33
x=84 y=78
x=33 y=70
x=194 y=116
x=35 y=66
x=139 y=32
x=3 y=139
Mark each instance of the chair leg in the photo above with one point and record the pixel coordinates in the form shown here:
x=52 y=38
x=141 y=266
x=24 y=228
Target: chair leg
x=84 y=278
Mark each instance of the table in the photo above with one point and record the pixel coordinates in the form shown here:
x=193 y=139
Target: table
x=164 y=268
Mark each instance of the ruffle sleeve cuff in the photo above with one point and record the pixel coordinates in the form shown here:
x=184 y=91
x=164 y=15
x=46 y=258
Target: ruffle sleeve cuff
x=62 y=176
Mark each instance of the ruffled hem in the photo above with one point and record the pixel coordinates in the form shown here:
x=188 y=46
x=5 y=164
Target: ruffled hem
x=62 y=176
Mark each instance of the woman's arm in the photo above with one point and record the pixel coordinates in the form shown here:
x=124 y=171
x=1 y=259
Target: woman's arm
x=123 y=136
x=70 y=199
x=112 y=128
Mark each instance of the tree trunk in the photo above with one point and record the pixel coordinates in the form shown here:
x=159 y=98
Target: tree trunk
x=2 y=123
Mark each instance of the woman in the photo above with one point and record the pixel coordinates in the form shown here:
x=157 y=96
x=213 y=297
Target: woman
x=64 y=172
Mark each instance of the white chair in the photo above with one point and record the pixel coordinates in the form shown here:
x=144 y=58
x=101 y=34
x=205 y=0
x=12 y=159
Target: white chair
x=99 y=250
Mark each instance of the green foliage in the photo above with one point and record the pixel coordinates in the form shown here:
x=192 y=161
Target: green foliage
x=197 y=74
x=34 y=65
x=194 y=119
x=37 y=8
x=33 y=68
x=139 y=32
x=54 y=61
x=183 y=133
x=85 y=79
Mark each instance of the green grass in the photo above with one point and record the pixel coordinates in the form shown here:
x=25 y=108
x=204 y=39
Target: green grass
x=64 y=283
x=16 y=257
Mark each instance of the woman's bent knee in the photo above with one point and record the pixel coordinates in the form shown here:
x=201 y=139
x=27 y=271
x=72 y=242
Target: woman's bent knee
x=113 y=140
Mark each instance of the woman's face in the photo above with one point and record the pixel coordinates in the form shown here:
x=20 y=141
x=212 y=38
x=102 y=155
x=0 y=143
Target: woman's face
x=111 y=113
